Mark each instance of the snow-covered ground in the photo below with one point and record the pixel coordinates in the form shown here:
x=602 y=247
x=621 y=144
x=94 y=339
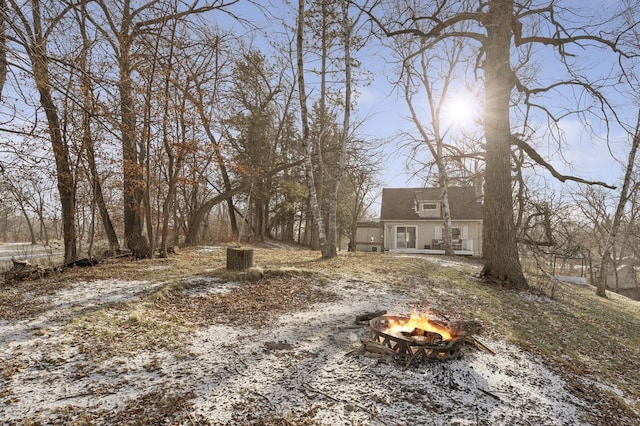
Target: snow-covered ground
x=307 y=367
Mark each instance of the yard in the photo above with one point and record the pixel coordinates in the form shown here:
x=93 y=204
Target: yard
x=184 y=341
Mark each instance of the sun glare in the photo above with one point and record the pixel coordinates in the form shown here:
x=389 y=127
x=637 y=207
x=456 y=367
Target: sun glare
x=460 y=110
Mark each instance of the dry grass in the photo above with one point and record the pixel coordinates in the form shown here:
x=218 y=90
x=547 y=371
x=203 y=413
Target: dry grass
x=574 y=330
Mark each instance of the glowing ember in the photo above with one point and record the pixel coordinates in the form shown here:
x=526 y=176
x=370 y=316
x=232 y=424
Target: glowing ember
x=419 y=321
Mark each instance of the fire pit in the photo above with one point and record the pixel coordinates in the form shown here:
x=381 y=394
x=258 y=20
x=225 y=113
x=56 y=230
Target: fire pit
x=422 y=336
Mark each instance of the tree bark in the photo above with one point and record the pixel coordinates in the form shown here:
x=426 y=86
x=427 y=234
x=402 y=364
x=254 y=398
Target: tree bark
x=344 y=136
x=306 y=138
x=66 y=184
x=3 y=45
x=133 y=182
x=500 y=250
x=239 y=259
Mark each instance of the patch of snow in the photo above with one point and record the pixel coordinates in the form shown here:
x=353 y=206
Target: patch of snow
x=319 y=372
x=208 y=249
x=102 y=292
x=571 y=279
x=532 y=297
x=443 y=261
x=158 y=267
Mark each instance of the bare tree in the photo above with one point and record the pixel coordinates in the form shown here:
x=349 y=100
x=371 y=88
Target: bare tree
x=360 y=184
x=433 y=127
x=625 y=193
x=88 y=142
x=306 y=136
x=27 y=26
x=499 y=28
x=124 y=25
x=346 y=25
x=208 y=72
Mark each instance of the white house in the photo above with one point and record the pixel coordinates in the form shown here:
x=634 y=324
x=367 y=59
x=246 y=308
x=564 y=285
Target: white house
x=411 y=221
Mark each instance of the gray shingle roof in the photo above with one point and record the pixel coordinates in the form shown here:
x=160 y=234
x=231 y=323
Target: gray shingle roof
x=400 y=203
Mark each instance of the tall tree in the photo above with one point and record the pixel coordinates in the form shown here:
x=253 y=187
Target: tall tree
x=334 y=41
x=601 y=283
x=499 y=249
x=346 y=31
x=208 y=71
x=434 y=128
x=88 y=141
x=27 y=26
x=496 y=28
x=256 y=87
x=306 y=134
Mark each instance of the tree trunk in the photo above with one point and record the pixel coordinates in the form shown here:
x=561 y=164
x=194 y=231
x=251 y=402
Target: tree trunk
x=239 y=259
x=66 y=184
x=23 y=210
x=88 y=143
x=344 y=136
x=174 y=164
x=500 y=250
x=226 y=180
x=446 y=216
x=198 y=216
x=601 y=283
x=3 y=45
x=306 y=138
x=133 y=183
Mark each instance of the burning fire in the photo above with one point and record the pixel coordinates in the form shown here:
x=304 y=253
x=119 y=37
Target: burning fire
x=419 y=321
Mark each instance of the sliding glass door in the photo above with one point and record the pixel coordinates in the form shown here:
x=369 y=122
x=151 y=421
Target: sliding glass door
x=405 y=237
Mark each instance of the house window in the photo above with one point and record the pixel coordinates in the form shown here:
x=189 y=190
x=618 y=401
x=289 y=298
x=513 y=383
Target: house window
x=428 y=209
x=456 y=233
x=429 y=206
x=406 y=237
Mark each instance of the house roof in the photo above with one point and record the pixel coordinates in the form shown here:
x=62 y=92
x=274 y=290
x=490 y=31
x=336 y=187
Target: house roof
x=369 y=224
x=400 y=203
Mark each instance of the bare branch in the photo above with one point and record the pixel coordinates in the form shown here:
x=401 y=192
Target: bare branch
x=533 y=154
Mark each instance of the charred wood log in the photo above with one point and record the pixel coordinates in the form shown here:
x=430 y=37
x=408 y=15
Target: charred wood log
x=85 y=261
x=376 y=348
x=422 y=337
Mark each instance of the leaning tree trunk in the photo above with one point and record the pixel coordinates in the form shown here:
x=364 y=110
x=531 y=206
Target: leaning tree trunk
x=23 y=210
x=88 y=142
x=601 y=283
x=500 y=250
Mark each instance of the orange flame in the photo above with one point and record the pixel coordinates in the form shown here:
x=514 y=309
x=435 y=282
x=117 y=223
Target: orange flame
x=416 y=320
